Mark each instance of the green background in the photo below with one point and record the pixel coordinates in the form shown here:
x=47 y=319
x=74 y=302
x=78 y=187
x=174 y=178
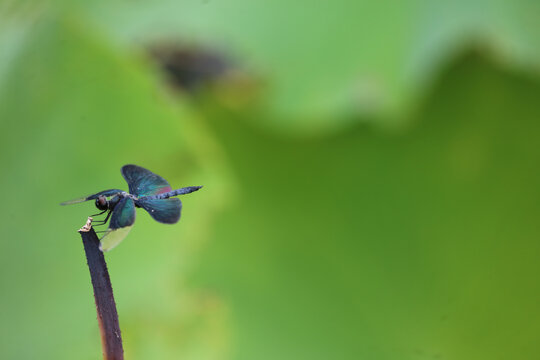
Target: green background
x=370 y=172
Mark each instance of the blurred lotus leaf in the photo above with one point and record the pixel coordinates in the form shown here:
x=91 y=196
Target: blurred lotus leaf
x=305 y=243
x=327 y=62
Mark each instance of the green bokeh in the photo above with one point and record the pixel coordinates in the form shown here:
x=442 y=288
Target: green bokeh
x=320 y=233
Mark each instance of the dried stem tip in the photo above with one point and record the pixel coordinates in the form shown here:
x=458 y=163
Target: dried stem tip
x=87 y=226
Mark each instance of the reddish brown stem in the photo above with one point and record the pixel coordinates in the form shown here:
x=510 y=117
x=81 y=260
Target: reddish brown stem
x=107 y=316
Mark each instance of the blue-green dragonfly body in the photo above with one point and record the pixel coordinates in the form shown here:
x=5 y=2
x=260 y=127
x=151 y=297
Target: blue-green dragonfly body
x=146 y=190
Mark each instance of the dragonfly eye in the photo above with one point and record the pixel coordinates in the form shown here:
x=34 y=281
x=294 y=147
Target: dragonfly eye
x=101 y=203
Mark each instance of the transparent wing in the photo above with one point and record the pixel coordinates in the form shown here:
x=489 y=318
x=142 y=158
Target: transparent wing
x=163 y=210
x=122 y=220
x=113 y=237
x=143 y=182
x=107 y=193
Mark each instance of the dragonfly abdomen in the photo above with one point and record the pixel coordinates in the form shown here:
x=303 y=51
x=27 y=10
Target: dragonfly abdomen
x=176 y=192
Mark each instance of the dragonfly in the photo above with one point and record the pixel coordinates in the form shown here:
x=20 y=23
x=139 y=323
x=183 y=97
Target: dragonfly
x=146 y=190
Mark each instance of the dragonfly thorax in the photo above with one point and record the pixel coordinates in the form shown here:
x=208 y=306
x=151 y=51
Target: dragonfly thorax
x=103 y=204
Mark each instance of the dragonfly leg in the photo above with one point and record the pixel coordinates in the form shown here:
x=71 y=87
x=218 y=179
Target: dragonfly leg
x=99 y=213
x=102 y=222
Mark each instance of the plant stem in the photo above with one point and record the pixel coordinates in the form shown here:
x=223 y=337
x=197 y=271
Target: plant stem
x=107 y=316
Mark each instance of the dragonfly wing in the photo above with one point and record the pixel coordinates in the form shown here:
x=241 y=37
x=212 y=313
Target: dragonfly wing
x=163 y=210
x=143 y=182
x=107 y=193
x=113 y=237
x=122 y=220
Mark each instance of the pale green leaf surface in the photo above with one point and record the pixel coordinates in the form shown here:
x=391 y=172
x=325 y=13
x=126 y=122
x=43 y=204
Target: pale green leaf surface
x=325 y=62
x=72 y=112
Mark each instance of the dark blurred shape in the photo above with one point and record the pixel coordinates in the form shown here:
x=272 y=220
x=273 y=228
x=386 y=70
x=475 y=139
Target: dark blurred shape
x=196 y=70
x=190 y=68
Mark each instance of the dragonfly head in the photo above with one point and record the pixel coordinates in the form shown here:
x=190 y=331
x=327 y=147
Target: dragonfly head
x=102 y=203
